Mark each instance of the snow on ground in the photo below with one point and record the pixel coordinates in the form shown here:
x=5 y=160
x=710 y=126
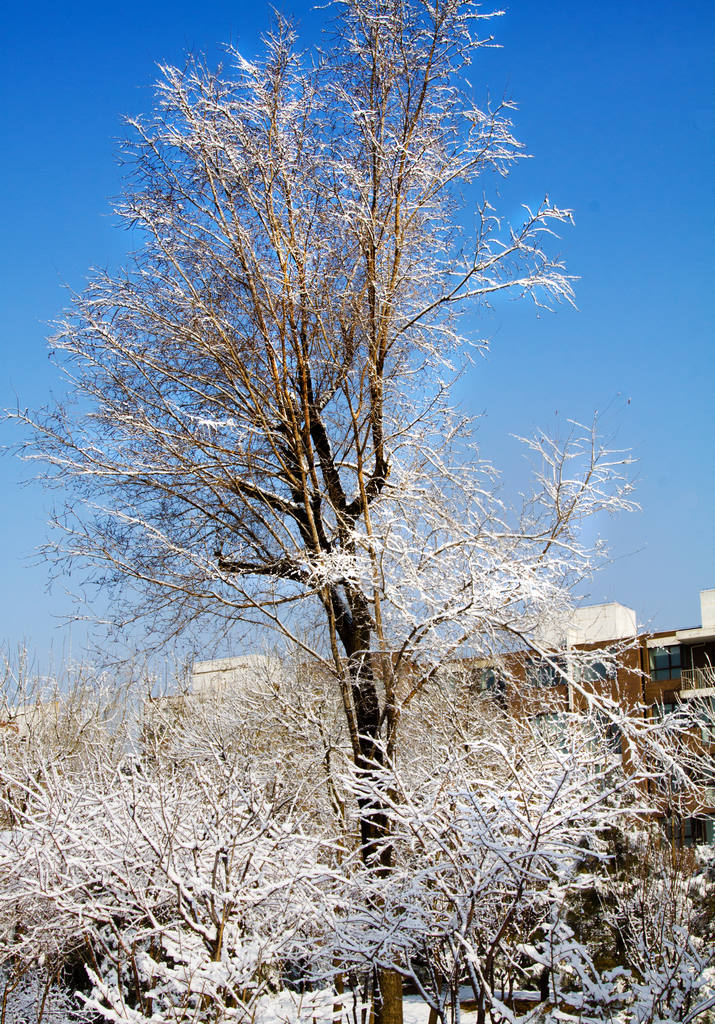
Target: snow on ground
x=321 y=1008
x=416 y=1011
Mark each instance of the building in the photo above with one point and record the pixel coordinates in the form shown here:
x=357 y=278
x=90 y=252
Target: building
x=247 y=672
x=679 y=667
x=652 y=674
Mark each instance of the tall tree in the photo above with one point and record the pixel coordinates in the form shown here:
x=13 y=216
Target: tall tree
x=257 y=416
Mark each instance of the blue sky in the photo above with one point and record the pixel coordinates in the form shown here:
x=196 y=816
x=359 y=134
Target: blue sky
x=616 y=105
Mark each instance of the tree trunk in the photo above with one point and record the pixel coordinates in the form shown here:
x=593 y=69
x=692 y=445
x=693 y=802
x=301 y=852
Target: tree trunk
x=388 y=998
x=338 y=1008
x=544 y=986
x=354 y=627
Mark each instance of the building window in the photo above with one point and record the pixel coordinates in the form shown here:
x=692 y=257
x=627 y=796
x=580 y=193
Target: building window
x=614 y=738
x=707 y=721
x=595 y=671
x=695 y=831
x=690 y=831
x=607 y=737
x=663 y=708
x=664 y=662
x=544 y=673
x=551 y=728
x=491 y=682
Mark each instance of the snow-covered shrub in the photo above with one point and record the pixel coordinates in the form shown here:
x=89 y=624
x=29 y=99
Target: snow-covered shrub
x=508 y=877
x=182 y=885
x=209 y=870
x=37 y=997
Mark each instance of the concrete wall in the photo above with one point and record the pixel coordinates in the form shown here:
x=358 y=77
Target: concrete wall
x=598 y=623
x=707 y=609
x=248 y=672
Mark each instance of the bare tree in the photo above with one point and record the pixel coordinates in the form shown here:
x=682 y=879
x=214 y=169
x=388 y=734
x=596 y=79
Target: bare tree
x=257 y=417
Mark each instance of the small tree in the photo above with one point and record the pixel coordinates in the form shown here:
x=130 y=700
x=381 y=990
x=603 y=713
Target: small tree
x=258 y=419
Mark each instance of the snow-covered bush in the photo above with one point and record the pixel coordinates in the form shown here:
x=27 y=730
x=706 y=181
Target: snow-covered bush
x=204 y=874
x=180 y=886
x=38 y=997
x=510 y=875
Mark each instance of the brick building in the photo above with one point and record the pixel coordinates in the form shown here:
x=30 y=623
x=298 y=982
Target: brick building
x=652 y=674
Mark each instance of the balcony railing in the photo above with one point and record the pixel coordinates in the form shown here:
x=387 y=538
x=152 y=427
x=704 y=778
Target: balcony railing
x=697 y=679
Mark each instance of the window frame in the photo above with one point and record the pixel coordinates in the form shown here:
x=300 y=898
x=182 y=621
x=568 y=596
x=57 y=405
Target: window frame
x=661 y=672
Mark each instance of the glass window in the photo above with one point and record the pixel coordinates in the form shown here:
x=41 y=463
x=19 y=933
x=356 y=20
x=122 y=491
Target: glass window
x=544 y=673
x=614 y=738
x=490 y=681
x=662 y=708
x=696 y=831
x=551 y=727
x=689 y=831
x=607 y=736
x=707 y=720
x=709 y=823
x=595 y=671
x=664 y=662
